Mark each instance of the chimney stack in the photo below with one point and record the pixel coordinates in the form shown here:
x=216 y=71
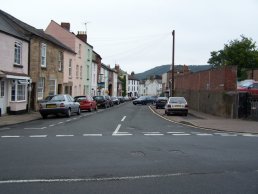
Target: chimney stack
x=65 y=25
x=82 y=36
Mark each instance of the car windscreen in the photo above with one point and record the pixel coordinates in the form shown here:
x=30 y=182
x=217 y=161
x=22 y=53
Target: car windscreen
x=58 y=99
x=142 y=98
x=177 y=100
x=80 y=99
x=98 y=98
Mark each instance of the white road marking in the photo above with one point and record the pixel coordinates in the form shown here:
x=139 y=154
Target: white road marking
x=122 y=134
x=203 y=134
x=68 y=120
x=117 y=129
x=10 y=136
x=181 y=134
x=226 y=134
x=64 y=135
x=60 y=123
x=175 y=132
x=52 y=125
x=91 y=179
x=153 y=134
x=35 y=128
x=123 y=118
x=38 y=136
x=249 y=135
x=92 y=134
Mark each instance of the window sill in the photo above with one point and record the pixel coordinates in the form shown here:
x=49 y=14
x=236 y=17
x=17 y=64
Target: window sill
x=19 y=101
x=18 y=66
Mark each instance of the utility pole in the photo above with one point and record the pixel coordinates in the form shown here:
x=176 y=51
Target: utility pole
x=173 y=65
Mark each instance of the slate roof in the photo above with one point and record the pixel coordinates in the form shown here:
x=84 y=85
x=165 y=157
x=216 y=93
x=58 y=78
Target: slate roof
x=10 y=28
x=132 y=77
x=15 y=27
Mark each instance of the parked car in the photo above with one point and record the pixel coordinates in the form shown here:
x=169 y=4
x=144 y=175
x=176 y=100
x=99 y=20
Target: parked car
x=249 y=86
x=86 y=103
x=115 y=100
x=176 y=105
x=244 y=83
x=102 y=101
x=126 y=98
x=161 y=102
x=121 y=99
x=59 y=104
x=141 y=100
x=47 y=99
x=109 y=101
x=151 y=99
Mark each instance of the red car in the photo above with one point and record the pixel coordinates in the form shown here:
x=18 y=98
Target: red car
x=86 y=103
x=250 y=87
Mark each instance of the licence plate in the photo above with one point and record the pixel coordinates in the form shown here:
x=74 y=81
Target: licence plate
x=51 y=105
x=177 y=106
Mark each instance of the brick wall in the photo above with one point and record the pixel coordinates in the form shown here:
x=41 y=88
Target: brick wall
x=211 y=91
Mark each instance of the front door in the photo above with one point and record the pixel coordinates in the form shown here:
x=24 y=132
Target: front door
x=3 y=96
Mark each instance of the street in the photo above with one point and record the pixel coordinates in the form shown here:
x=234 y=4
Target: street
x=124 y=149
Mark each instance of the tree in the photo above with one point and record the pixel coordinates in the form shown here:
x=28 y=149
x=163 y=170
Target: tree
x=123 y=80
x=241 y=53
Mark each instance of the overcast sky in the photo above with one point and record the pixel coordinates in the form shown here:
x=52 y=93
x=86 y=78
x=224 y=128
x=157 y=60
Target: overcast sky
x=137 y=33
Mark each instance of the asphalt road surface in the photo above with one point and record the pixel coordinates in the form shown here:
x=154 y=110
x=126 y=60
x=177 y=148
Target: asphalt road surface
x=124 y=149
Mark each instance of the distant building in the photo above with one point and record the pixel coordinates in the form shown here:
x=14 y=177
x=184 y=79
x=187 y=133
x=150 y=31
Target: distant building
x=151 y=87
x=133 y=86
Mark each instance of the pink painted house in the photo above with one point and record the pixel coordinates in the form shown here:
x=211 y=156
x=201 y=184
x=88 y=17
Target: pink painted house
x=14 y=60
x=74 y=65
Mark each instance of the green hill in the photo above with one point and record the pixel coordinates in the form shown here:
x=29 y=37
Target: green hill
x=159 y=70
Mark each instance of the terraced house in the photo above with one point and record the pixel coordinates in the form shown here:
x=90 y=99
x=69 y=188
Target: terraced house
x=14 y=60
x=45 y=63
x=77 y=78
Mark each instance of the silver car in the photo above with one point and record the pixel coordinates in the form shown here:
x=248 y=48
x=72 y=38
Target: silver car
x=176 y=105
x=60 y=104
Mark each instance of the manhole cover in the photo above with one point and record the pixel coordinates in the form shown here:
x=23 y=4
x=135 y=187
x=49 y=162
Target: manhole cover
x=138 y=153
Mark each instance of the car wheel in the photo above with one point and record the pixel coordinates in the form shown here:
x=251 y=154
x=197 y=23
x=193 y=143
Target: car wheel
x=157 y=107
x=44 y=116
x=79 y=111
x=68 y=113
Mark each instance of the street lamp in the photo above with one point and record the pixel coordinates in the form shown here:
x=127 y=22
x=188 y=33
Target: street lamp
x=172 y=92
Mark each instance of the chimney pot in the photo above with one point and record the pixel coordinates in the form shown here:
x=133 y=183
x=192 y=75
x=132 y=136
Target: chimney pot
x=65 y=25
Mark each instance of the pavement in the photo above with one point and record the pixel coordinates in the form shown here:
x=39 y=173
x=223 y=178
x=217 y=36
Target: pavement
x=194 y=118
